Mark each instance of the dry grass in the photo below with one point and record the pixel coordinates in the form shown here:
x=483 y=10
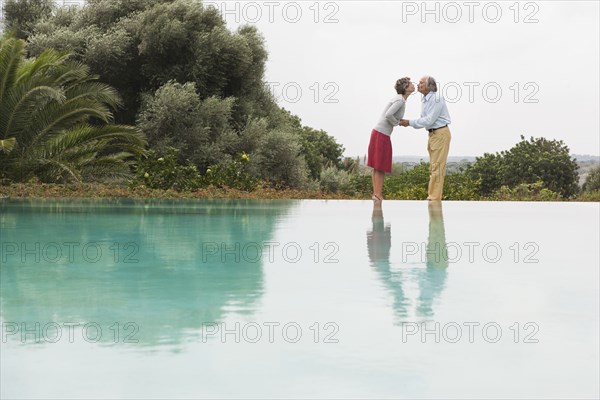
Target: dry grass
x=96 y=190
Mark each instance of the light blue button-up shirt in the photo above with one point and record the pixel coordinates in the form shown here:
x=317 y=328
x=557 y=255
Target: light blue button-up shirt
x=434 y=112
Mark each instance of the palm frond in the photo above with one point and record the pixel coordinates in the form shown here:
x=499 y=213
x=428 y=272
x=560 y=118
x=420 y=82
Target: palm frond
x=22 y=102
x=11 y=54
x=6 y=145
x=42 y=65
x=95 y=90
x=46 y=106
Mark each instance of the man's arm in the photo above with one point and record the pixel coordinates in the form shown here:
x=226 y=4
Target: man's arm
x=428 y=120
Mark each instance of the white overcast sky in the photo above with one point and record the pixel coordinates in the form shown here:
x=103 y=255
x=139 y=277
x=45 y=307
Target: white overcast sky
x=506 y=68
x=541 y=78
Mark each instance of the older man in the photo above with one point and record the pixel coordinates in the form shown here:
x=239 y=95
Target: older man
x=435 y=118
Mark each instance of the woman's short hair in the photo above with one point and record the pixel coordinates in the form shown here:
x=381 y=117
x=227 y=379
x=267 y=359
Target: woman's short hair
x=402 y=84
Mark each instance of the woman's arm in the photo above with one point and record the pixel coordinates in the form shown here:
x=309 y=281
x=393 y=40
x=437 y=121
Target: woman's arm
x=392 y=110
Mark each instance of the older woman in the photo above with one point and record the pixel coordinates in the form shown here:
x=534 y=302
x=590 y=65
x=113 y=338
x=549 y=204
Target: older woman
x=380 y=147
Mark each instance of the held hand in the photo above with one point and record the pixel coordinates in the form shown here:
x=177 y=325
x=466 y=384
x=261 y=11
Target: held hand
x=403 y=122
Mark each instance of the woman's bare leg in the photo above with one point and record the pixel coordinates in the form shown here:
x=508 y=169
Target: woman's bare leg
x=378 y=177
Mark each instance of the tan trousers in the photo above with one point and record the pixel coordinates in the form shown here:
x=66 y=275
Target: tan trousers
x=438 y=147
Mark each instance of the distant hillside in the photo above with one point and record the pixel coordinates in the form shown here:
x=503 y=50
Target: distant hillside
x=586 y=157
x=417 y=159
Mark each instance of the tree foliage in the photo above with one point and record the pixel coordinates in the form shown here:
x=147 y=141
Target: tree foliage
x=279 y=161
x=320 y=150
x=22 y=15
x=139 y=46
x=189 y=83
x=172 y=117
x=487 y=170
x=528 y=162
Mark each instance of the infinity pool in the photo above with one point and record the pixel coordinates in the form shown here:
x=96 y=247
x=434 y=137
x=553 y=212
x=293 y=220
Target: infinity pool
x=298 y=299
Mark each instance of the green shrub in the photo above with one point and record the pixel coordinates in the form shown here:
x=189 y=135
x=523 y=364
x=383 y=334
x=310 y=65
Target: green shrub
x=334 y=180
x=359 y=185
x=529 y=161
x=526 y=192
x=278 y=160
x=165 y=172
x=401 y=185
x=410 y=193
x=233 y=174
x=174 y=116
x=412 y=184
x=589 y=196
x=460 y=186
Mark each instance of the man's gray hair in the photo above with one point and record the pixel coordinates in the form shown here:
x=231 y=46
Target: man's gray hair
x=431 y=84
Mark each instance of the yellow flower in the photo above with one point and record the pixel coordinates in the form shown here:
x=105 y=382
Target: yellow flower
x=146 y=175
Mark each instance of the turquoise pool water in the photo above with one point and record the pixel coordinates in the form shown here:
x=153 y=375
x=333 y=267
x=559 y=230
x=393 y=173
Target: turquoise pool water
x=255 y=299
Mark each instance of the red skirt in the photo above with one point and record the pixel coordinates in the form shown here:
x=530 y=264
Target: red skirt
x=380 y=152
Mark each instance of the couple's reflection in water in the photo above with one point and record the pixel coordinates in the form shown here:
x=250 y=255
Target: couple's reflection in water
x=429 y=278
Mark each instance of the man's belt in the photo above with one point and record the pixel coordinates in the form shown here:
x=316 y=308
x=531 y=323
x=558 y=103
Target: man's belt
x=435 y=129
